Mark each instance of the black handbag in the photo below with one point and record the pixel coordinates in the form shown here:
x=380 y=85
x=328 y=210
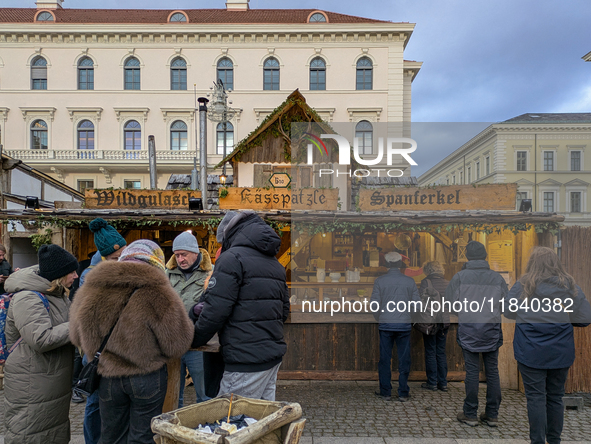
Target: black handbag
x=89 y=378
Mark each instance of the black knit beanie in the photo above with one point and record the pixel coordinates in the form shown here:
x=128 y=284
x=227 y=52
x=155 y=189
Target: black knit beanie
x=475 y=251
x=55 y=262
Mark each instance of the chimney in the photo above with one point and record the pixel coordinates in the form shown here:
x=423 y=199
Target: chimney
x=49 y=4
x=237 y=5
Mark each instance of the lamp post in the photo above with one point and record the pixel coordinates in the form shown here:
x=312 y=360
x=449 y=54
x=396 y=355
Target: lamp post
x=220 y=112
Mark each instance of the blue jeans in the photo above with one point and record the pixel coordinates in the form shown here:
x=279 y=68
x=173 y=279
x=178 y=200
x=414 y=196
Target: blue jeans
x=92 y=416
x=493 y=383
x=544 y=389
x=193 y=360
x=387 y=340
x=435 y=358
x=128 y=404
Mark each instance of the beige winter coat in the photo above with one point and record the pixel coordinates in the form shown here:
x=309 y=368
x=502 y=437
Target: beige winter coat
x=38 y=373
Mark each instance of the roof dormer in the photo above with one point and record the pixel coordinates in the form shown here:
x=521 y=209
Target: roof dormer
x=237 y=5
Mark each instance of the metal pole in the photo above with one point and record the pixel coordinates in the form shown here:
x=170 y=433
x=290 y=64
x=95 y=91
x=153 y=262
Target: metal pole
x=194 y=178
x=152 y=154
x=203 y=151
x=225 y=129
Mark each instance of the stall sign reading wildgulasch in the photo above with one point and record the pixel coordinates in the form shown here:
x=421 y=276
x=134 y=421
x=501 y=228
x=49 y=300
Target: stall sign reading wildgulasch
x=139 y=199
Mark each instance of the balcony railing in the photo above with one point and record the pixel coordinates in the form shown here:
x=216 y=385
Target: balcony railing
x=28 y=155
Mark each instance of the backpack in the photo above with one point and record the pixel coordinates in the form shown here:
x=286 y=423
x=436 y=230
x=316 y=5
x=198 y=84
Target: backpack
x=4 y=303
x=423 y=321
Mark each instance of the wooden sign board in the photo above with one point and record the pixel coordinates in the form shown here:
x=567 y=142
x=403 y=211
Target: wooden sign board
x=452 y=197
x=280 y=199
x=139 y=199
x=280 y=180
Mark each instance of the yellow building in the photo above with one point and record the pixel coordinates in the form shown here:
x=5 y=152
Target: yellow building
x=543 y=153
x=82 y=90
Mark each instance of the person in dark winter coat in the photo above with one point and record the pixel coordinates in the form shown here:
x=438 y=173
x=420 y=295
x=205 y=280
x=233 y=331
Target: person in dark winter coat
x=38 y=373
x=395 y=326
x=247 y=302
x=435 y=357
x=544 y=345
x=5 y=268
x=479 y=332
x=151 y=327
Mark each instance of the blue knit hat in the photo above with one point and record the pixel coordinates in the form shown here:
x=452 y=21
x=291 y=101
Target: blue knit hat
x=106 y=238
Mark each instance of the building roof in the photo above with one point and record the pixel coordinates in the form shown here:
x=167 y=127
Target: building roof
x=160 y=16
x=551 y=118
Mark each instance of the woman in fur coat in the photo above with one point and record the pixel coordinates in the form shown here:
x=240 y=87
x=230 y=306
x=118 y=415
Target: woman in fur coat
x=152 y=327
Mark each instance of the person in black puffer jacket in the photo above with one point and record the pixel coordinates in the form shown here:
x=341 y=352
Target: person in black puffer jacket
x=247 y=302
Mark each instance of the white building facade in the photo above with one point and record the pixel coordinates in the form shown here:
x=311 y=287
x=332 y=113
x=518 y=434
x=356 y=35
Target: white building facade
x=82 y=90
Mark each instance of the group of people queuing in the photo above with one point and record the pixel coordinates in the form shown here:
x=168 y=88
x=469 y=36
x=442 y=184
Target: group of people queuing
x=149 y=312
x=543 y=342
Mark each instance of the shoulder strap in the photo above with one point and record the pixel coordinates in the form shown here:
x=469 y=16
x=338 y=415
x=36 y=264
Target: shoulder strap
x=106 y=338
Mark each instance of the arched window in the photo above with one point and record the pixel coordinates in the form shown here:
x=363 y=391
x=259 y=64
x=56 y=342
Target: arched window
x=226 y=73
x=86 y=135
x=86 y=73
x=45 y=17
x=364 y=131
x=178 y=17
x=318 y=74
x=39 y=135
x=39 y=73
x=271 y=74
x=132 y=74
x=178 y=136
x=178 y=74
x=364 y=74
x=229 y=133
x=317 y=17
x=133 y=136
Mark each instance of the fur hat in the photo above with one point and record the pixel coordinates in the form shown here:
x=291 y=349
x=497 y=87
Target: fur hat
x=144 y=250
x=106 y=238
x=55 y=262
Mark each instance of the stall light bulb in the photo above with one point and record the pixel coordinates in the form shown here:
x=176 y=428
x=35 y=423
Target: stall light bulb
x=323 y=234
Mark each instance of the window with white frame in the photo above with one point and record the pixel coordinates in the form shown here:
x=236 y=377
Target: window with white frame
x=575 y=160
x=487 y=165
x=519 y=197
x=548 y=201
x=469 y=175
x=85 y=184
x=132 y=139
x=318 y=74
x=271 y=74
x=364 y=80
x=178 y=136
x=39 y=73
x=453 y=179
x=225 y=138
x=478 y=170
x=575 y=201
x=461 y=178
x=447 y=181
x=132 y=74
x=225 y=72
x=39 y=135
x=86 y=135
x=364 y=134
x=521 y=160
x=178 y=74
x=85 y=73
x=548 y=160
x=132 y=184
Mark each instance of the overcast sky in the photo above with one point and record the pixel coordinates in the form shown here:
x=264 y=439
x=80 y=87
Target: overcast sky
x=483 y=61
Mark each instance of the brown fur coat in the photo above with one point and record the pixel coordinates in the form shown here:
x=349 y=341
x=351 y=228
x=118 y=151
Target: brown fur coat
x=152 y=328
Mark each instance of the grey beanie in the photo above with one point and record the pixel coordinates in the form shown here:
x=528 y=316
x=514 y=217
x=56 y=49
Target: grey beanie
x=185 y=241
x=230 y=220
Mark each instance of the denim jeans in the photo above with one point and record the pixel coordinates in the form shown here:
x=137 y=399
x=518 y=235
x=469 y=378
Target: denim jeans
x=435 y=358
x=544 y=389
x=387 y=340
x=493 y=383
x=92 y=416
x=128 y=404
x=193 y=360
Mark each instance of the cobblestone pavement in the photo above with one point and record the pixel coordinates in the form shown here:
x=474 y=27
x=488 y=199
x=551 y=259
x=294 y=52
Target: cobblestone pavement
x=350 y=413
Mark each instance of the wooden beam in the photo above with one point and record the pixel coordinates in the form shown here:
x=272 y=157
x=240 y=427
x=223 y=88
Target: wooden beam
x=327 y=375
